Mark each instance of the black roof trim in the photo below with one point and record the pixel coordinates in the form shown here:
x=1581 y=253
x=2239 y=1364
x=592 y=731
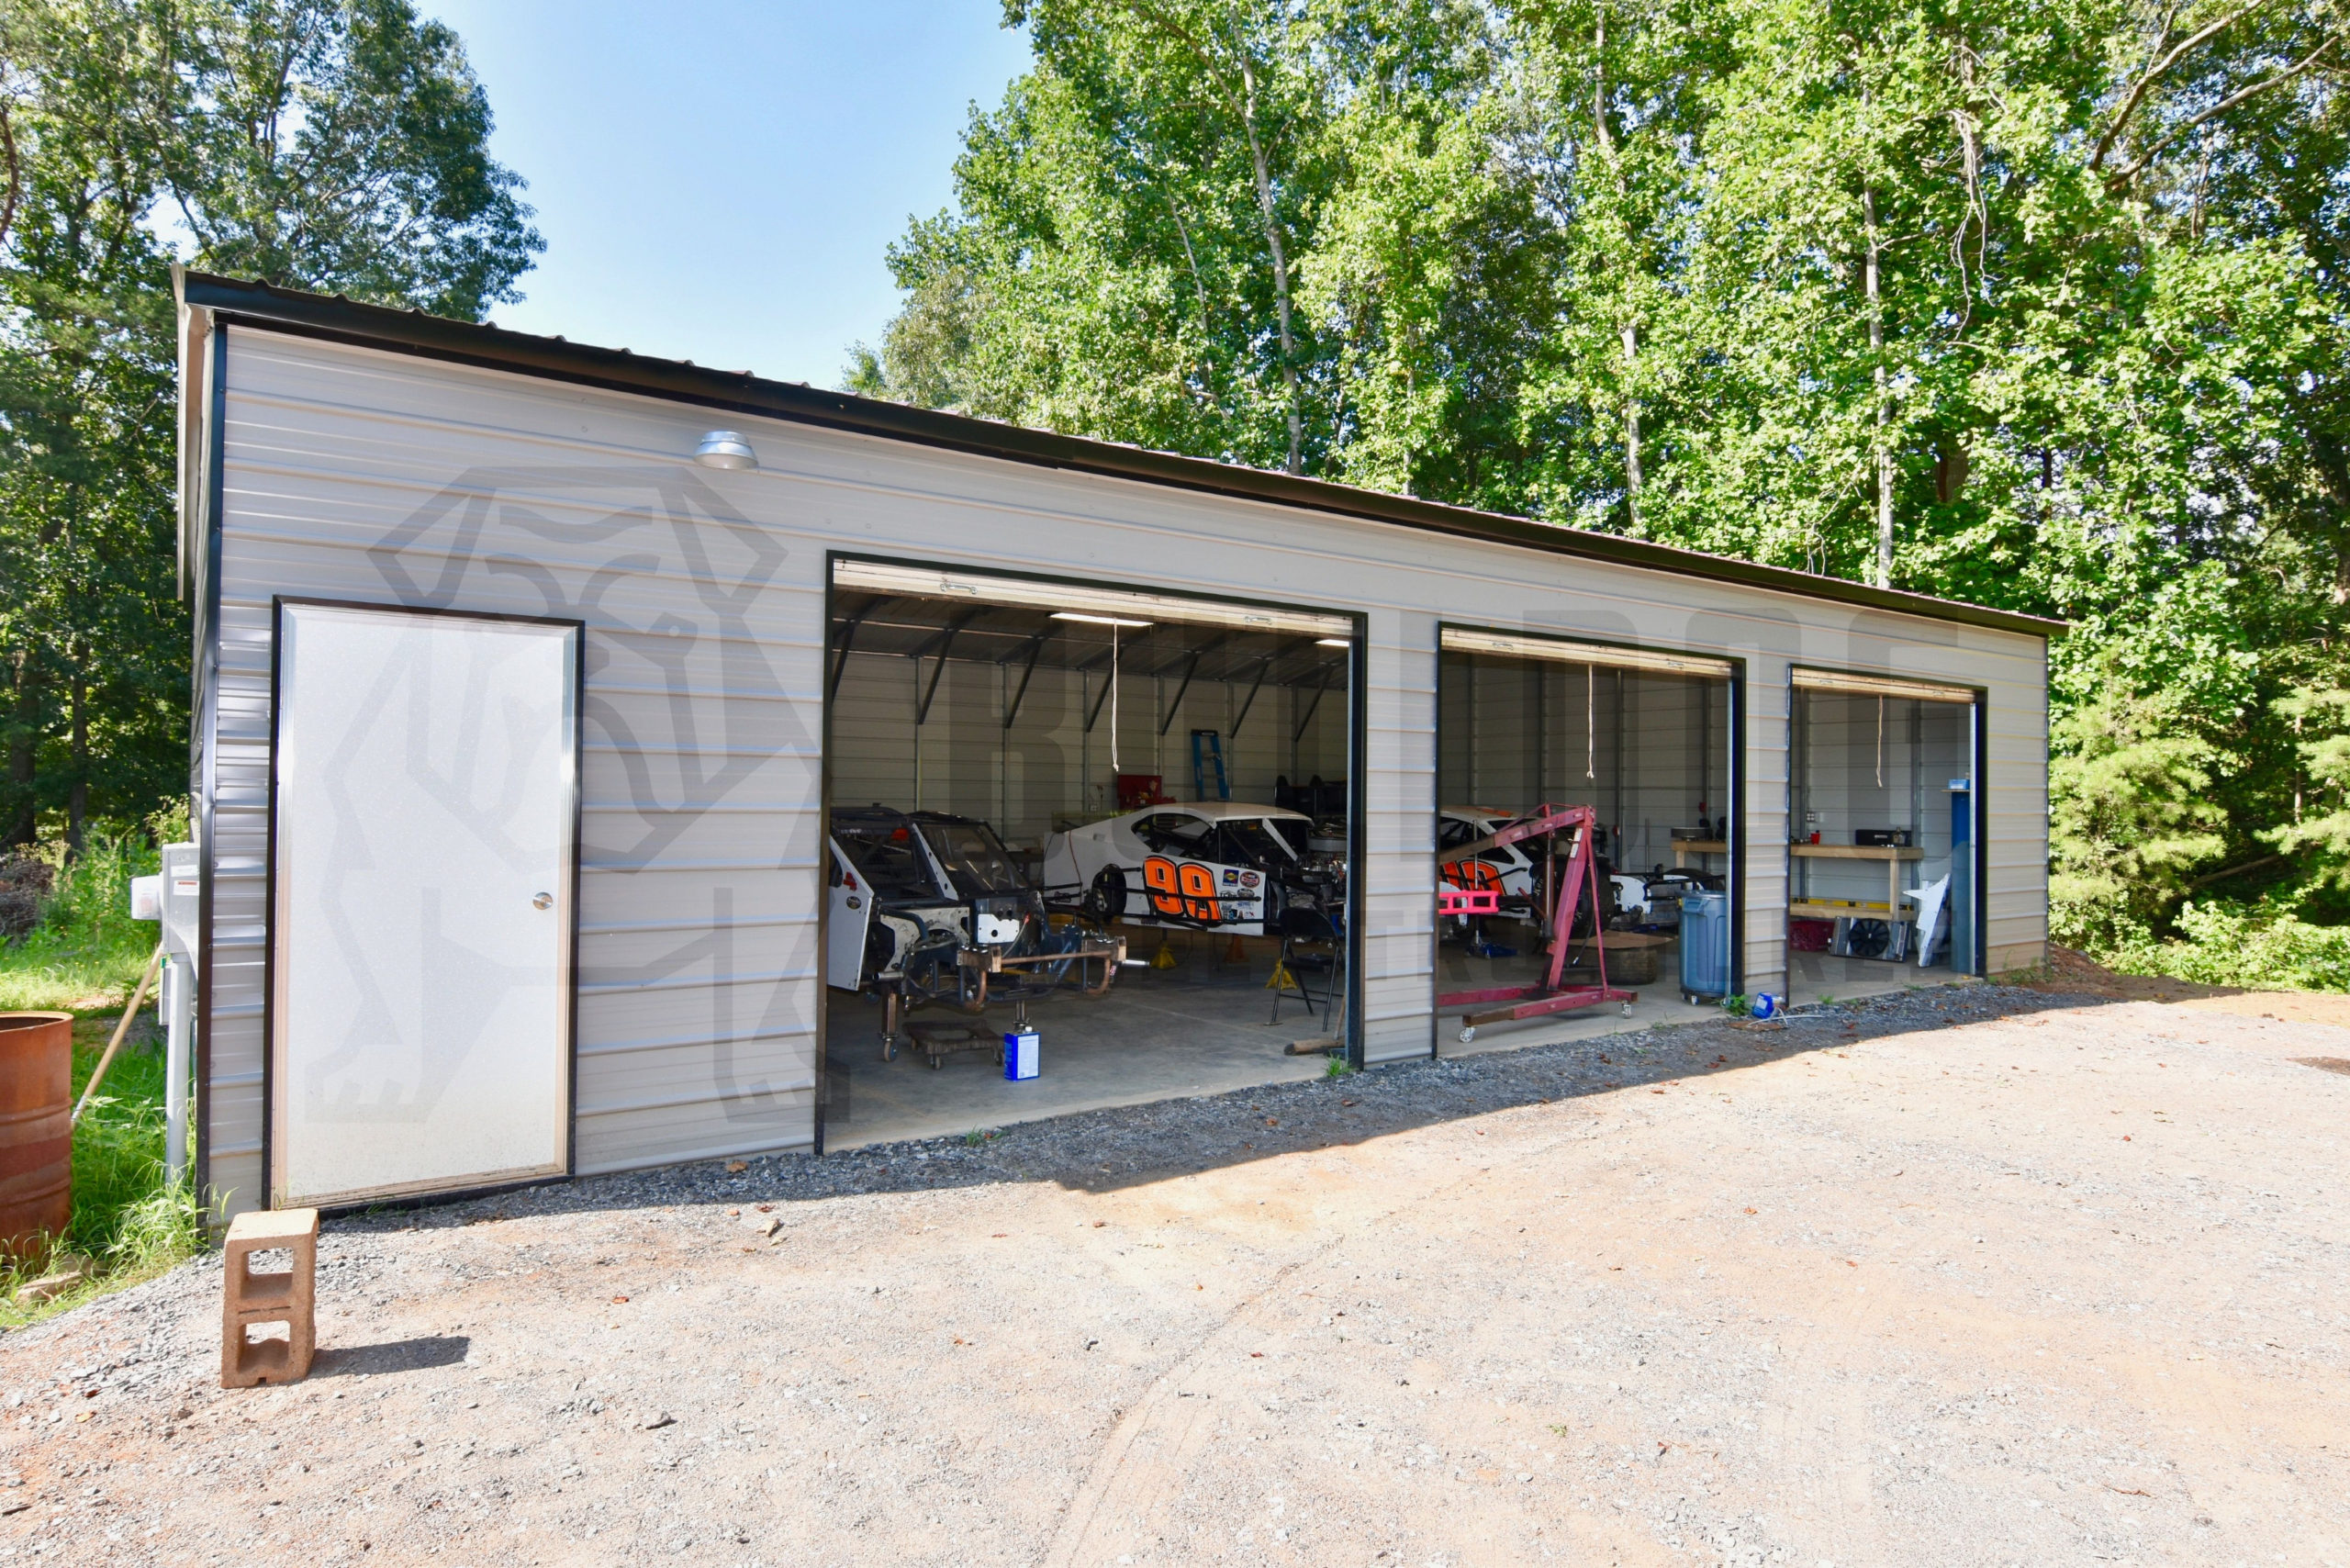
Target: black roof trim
x=413 y=330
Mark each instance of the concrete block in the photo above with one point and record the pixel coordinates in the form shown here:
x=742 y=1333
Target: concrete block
x=250 y=1300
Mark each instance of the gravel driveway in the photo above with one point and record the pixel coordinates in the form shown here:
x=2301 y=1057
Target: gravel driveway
x=1968 y=1277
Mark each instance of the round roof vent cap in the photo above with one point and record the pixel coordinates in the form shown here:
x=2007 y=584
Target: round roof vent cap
x=725 y=449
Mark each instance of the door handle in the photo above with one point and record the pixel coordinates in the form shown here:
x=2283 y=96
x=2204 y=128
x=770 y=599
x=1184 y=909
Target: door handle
x=543 y=901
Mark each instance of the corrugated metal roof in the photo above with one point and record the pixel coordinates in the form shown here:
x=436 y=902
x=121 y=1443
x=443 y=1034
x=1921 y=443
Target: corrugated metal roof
x=334 y=316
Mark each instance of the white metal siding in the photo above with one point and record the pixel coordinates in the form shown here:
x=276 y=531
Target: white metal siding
x=395 y=478
x=1399 y=840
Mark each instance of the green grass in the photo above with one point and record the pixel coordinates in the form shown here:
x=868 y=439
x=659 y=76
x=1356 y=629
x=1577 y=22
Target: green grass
x=84 y=957
x=86 y=953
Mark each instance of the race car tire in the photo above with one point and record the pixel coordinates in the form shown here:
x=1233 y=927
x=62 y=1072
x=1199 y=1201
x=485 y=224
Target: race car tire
x=1106 y=901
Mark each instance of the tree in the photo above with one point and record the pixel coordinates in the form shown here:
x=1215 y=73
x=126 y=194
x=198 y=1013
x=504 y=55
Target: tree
x=343 y=147
x=323 y=145
x=2042 y=306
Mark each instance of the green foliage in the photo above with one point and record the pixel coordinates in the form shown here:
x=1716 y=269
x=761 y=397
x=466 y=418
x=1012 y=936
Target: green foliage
x=339 y=144
x=2319 y=717
x=2260 y=945
x=2044 y=305
x=2130 y=815
x=1737 y=1005
x=124 y=1214
x=85 y=956
x=85 y=951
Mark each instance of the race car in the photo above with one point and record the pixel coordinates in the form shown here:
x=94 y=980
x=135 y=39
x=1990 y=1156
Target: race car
x=912 y=891
x=1197 y=864
x=1511 y=870
x=1507 y=868
x=905 y=881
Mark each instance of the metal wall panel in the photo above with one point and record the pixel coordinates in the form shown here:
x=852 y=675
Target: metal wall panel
x=1399 y=839
x=370 y=475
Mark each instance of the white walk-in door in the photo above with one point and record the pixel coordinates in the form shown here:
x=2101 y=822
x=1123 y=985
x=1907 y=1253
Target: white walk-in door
x=425 y=789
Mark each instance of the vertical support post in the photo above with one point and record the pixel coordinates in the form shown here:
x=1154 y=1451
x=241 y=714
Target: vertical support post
x=179 y=997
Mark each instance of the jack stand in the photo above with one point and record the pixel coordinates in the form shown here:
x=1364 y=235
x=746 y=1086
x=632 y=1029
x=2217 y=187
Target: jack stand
x=890 y=1025
x=1483 y=946
x=1165 y=958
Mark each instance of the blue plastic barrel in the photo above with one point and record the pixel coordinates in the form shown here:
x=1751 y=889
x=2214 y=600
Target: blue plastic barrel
x=1705 y=946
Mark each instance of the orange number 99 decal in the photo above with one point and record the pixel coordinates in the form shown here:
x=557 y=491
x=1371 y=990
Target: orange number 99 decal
x=1199 y=892
x=1187 y=891
x=1158 y=875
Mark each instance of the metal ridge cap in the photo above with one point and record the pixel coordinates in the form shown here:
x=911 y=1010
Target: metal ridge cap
x=618 y=368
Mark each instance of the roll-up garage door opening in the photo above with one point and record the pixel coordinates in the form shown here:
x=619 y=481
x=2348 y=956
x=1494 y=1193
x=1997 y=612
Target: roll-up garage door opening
x=1884 y=815
x=1629 y=756
x=1090 y=844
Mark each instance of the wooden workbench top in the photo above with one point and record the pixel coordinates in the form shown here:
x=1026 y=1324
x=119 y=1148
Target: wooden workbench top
x=1856 y=851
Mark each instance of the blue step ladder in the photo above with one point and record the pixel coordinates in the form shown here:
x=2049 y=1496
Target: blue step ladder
x=1207 y=751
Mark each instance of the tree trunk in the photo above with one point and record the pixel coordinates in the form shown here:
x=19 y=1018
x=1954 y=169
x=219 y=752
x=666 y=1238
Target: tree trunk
x=1627 y=329
x=1281 y=262
x=24 y=822
x=77 y=798
x=1631 y=424
x=1883 y=399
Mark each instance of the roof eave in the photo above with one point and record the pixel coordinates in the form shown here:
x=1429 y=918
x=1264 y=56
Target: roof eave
x=473 y=343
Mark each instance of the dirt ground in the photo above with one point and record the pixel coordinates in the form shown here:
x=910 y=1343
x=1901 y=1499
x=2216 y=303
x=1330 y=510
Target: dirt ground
x=1966 y=1277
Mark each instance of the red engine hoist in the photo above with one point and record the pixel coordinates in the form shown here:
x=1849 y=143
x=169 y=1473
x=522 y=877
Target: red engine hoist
x=1561 y=894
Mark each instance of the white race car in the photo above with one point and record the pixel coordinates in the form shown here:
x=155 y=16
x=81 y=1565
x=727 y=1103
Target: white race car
x=1511 y=870
x=1199 y=865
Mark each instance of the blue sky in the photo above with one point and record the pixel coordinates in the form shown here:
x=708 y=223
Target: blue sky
x=716 y=182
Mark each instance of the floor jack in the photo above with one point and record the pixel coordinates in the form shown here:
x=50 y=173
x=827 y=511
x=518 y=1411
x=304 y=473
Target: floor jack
x=1506 y=1003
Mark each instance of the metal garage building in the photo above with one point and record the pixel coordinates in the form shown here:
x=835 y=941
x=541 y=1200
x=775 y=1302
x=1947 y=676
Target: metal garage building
x=653 y=644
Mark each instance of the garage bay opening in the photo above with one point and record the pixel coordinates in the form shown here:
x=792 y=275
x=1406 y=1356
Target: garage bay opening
x=1585 y=837
x=1088 y=846
x=1881 y=818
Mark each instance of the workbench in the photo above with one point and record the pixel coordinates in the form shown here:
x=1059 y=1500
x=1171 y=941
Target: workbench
x=1895 y=856
x=1701 y=847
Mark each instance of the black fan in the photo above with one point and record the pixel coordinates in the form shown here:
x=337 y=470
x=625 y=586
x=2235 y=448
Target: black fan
x=1868 y=939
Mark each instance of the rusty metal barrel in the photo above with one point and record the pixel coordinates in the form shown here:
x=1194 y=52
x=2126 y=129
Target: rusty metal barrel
x=35 y=1129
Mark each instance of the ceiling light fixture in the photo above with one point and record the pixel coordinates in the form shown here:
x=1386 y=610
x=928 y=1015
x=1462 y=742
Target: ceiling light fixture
x=1333 y=642
x=725 y=449
x=1098 y=620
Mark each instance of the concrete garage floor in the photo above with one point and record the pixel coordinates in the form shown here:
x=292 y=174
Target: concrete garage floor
x=1825 y=974
x=1658 y=1000
x=1199 y=1028
x=1964 y=1277
x=1817 y=976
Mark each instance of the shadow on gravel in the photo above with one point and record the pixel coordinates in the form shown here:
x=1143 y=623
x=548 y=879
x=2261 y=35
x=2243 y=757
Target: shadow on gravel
x=1133 y=1146
x=394 y=1356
